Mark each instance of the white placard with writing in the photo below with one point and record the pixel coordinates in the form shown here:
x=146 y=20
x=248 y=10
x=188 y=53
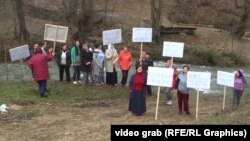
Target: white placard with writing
x=19 y=53
x=142 y=35
x=199 y=80
x=160 y=76
x=173 y=49
x=112 y=36
x=225 y=78
x=55 y=33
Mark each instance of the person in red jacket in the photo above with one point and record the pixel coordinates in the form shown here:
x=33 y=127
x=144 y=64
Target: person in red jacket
x=169 y=89
x=125 y=62
x=38 y=63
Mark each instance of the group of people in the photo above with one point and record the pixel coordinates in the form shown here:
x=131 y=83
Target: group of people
x=138 y=88
x=92 y=62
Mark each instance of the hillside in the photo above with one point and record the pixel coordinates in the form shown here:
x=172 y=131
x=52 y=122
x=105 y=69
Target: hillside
x=213 y=20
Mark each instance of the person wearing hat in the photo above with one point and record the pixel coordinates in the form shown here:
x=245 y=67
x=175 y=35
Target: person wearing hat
x=239 y=85
x=38 y=63
x=137 y=90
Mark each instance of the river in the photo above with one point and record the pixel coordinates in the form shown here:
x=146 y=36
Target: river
x=15 y=73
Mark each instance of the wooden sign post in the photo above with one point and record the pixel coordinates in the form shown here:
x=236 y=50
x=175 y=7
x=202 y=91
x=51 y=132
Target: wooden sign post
x=55 y=33
x=198 y=80
x=141 y=35
x=225 y=79
x=20 y=53
x=161 y=77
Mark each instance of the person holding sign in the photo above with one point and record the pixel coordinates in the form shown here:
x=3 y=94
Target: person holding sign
x=98 y=65
x=76 y=61
x=137 y=90
x=63 y=61
x=145 y=61
x=39 y=66
x=169 y=89
x=183 y=91
x=111 y=59
x=239 y=85
x=125 y=62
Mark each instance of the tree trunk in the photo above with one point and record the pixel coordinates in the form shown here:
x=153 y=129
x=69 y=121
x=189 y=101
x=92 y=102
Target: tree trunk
x=13 y=5
x=23 y=34
x=156 y=11
x=80 y=13
x=241 y=28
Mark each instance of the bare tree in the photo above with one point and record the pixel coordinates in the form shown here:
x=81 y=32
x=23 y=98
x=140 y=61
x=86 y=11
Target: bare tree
x=156 y=11
x=241 y=28
x=80 y=13
x=23 y=34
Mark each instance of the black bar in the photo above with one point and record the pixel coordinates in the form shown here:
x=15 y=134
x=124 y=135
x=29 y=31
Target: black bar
x=175 y=132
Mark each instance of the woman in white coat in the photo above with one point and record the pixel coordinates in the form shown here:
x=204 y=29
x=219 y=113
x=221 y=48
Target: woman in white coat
x=111 y=59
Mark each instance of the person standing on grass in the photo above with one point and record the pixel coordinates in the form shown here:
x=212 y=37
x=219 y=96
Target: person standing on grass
x=145 y=61
x=239 y=85
x=125 y=62
x=169 y=89
x=183 y=91
x=86 y=61
x=98 y=65
x=137 y=90
x=76 y=61
x=63 y=62
x=111 y=59
x=39 y=66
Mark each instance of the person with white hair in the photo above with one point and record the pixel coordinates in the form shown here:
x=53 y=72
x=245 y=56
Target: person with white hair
x=111 y=60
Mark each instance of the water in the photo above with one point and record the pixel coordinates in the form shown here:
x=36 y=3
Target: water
x=16 y=73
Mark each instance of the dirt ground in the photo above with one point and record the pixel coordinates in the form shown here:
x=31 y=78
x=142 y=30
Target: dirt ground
x=61 y=123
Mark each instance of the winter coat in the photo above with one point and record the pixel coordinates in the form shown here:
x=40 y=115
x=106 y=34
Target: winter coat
x=68 y=58
x=125 y=60
x=85 y=58
x=39 y=66
x=111 y=56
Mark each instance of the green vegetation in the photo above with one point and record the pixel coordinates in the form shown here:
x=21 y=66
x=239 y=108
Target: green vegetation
x=59 y=93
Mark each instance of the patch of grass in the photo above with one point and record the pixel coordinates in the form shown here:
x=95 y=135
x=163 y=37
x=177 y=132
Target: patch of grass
x=60 y=93
x=62 y=122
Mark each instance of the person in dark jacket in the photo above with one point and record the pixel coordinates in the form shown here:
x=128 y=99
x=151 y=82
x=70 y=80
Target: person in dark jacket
x=63 y=62
x=137 y=89
x=86 y=61
x=38 y=63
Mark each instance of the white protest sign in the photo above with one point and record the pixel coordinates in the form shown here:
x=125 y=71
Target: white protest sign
x=225 y=78
x=112 y=36
x=19 y=52
x=198 y=80
x=173 y=49
x=160 y=76
x=142 y=35
x=55 y=33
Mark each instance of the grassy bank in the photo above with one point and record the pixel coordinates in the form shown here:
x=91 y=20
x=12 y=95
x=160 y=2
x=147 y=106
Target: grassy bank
x=75 y=113
x=65 y=94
